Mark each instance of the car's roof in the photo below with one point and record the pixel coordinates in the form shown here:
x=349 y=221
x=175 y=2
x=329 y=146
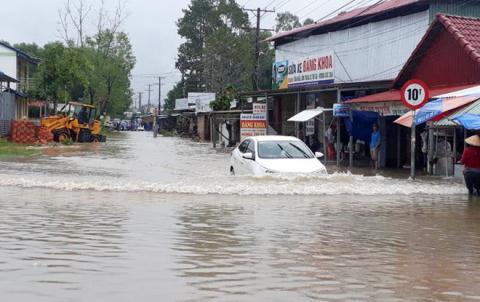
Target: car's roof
x=270 y=138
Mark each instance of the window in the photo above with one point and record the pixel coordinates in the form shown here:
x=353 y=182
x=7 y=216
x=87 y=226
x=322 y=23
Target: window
x=283 y=149
x=243 y=146
x=251 y=147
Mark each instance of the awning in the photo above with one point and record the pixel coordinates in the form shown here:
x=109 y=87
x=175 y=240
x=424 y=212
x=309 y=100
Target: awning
x=467 y=117
x=435 y=110
x=394 y=94
x=306 y=115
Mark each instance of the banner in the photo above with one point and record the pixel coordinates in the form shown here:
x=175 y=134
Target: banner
x=181 y=104
x=280 y=75
x=201 y=101
x=341 y=110
x=305 y=71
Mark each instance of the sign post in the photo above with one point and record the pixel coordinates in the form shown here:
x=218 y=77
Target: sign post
x=414 y=94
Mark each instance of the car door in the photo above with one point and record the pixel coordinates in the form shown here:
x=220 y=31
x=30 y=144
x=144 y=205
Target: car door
x=251 y=165
x=238 y=162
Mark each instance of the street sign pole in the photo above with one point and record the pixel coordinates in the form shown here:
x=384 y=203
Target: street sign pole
x=414 y=94
x=413 y=147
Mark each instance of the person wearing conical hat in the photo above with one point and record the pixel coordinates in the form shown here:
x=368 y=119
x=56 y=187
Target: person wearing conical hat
x=471 y=161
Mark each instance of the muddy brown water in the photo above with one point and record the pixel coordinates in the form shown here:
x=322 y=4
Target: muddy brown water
x=161 y=220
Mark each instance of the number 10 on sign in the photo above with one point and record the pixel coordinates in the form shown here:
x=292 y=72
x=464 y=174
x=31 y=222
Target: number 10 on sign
x=415 y=94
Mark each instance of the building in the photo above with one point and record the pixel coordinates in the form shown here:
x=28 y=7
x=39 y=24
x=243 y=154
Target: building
x=16 y=69
x=18 y=65
x=447 y=59
x=354 y=54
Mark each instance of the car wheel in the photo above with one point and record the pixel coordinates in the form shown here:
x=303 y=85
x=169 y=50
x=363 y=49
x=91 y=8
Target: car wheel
x=232 y=171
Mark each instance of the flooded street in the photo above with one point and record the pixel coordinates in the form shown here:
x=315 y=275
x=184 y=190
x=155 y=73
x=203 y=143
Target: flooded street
x=161 y=220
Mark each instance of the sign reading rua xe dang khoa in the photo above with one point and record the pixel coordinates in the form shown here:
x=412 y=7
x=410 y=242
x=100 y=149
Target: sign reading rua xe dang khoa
x=304 y=71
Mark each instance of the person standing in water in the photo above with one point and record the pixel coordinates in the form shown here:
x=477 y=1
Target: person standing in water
x=375 y=145
x=471 y=161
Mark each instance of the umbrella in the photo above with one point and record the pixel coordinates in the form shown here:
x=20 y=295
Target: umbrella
x=435 y=110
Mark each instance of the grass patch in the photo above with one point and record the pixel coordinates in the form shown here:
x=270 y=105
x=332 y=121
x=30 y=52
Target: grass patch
x=167 y=133
x=106 y=131
x=8 y=149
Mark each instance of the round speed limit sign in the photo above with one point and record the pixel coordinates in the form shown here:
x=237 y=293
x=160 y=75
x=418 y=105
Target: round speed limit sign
x=415 y=94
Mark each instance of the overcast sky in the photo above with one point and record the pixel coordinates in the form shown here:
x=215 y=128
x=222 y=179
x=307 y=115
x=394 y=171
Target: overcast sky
x=150 y=25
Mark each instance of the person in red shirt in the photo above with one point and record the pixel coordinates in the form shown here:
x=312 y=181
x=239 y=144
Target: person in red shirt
x=471 y=161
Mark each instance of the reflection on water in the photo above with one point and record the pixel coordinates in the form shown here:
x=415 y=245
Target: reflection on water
x=60 y=244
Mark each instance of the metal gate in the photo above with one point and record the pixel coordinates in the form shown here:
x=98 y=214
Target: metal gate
x=7 y=112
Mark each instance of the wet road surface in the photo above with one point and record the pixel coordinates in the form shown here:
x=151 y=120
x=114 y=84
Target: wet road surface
x=149 y=220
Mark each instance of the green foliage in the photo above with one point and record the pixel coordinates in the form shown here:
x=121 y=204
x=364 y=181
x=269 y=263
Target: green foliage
x=30 y=48
x=308 y=21
x=223 y=101
x=286 y=21
x=219 y=48
x=97 y=72
x=175 y=93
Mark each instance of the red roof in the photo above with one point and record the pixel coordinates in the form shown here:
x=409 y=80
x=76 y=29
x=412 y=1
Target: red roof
x=394 y=94
x=366 y=11
x=464 y=30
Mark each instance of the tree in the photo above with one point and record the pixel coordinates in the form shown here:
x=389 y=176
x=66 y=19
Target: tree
x=62 y=74
x=308 y=21
x=286 y=21
x=224 y=100
x=205 y=25
x=218 y=51
x=177 y=92
x=31 y=49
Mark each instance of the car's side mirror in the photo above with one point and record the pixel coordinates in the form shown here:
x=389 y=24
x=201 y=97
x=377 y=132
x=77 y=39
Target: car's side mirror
x=318 y=154
x=249 y=155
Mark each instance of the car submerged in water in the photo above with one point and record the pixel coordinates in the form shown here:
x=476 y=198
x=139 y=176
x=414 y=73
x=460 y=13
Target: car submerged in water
x=263 y=155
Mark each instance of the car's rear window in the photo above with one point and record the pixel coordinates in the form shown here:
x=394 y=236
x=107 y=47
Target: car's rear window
x=283 y=149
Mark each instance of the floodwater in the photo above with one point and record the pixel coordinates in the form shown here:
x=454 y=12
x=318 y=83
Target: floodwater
x=160 y=219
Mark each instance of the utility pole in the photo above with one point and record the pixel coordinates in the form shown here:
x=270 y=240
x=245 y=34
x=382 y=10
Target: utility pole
x=160 y=95
x=140 y=101
x=149 y=90
x=257 y=12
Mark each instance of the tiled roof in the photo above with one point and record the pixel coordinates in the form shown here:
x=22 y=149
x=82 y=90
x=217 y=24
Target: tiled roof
x=359 y=13
x=466 y=31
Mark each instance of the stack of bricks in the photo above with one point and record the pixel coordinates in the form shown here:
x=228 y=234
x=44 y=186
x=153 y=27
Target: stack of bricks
x=44 y=135
x=23 y=132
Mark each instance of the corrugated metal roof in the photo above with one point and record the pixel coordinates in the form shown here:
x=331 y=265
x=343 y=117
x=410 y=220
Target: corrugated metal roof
x=448 y=120
x=365 y=13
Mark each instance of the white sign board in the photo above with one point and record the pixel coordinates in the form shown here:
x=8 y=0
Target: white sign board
x=259 y=108
x=181 y=104
x=201 y=101
x=311 y=70
x=253 y=125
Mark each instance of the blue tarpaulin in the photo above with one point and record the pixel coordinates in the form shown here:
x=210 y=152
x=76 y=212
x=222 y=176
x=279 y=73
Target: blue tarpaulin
x=362 y=125
x=468 y=120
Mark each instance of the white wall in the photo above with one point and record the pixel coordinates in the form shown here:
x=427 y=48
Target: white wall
x=375 y=51
x=8 y=63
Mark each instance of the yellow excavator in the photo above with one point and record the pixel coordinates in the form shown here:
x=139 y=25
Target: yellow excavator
x=76 y=122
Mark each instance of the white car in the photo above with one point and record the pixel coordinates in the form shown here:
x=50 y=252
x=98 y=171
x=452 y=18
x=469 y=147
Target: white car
x=260 y=155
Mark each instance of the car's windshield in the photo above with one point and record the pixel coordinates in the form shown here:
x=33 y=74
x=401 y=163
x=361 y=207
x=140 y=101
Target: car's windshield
x=283 y=149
